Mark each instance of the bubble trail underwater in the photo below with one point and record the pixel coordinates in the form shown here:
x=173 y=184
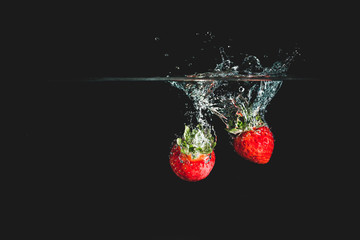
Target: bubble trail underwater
x=235 y=102
x=243 y=109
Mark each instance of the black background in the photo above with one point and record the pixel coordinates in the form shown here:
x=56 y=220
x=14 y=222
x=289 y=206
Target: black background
x=95 y=43
x=110 y=142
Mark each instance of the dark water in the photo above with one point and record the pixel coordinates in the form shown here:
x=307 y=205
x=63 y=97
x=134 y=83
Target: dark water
x=110 y=142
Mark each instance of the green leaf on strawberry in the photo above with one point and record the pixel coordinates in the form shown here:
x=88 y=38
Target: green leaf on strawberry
x=245 y=123
x=197 y=141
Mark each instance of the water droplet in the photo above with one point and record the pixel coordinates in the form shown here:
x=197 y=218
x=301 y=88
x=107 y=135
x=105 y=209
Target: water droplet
x=189 y=64
x=234 y=68
x=251 y=64
x=177 y=67
x=166 y=54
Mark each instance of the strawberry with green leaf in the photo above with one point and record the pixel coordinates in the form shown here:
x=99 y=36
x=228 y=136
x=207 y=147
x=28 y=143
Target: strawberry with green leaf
x=255 y=145
x=253 y=139
x=192 y=157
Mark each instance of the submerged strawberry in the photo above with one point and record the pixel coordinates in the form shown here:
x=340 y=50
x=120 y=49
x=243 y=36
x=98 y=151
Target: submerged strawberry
x=255 y=145
x=192 y=157
x=253 y=139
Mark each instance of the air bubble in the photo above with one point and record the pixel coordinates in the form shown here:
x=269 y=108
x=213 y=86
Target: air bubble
x=157 y=39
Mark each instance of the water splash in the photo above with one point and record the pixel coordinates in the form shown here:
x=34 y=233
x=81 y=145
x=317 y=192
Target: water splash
x=245 y=108
x=241 y=105
x=225 y=65
x=201 y=94
x=250 y=67
x=204 y=56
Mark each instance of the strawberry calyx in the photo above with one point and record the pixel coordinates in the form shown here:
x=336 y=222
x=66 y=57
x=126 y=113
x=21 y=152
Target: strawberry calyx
x=197 y=141
x=245 y=122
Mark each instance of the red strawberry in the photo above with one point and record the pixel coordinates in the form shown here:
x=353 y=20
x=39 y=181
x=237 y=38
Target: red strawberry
x=189 y=169
x=255 y=145
x=253 y=138
x=192 y=157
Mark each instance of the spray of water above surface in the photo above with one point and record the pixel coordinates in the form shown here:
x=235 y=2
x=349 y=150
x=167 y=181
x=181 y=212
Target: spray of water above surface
x=249 y=67
x=205 y=55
